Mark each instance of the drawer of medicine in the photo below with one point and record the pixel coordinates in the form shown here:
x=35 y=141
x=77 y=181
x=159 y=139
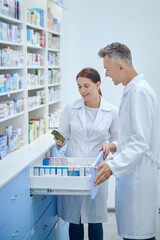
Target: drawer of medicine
x=70 y=176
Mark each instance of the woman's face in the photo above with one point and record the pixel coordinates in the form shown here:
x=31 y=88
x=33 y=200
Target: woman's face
x=88 y=89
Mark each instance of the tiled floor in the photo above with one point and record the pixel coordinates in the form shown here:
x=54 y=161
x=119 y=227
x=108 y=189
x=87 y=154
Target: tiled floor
x=110 y=229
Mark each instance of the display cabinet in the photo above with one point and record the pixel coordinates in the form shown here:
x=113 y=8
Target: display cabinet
x=30 y=71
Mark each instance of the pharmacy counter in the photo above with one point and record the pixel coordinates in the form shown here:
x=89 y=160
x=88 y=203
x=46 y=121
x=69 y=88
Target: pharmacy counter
x=24 y=216
x=15 y=162
x=28 y=202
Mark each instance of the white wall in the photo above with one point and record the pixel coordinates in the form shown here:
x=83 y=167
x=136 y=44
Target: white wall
x=89 y=25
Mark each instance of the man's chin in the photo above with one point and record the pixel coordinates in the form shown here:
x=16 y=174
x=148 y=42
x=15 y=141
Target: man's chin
x=115 y=83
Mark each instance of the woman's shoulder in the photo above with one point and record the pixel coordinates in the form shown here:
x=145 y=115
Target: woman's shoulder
x=77 y=103
x=108 y=106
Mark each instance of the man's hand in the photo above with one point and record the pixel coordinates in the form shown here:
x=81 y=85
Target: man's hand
x=103 y=174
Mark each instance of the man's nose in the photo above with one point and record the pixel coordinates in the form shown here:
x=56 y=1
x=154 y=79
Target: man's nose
x=106 y=74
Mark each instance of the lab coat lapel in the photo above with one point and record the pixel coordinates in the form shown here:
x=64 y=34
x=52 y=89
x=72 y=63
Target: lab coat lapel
x=82 y=117
x=97 y=120
x=129 y=86
x=99 y=117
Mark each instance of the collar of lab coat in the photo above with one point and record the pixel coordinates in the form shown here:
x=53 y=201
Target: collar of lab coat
x=103 y=105
x=132 y=83
x=79 y=104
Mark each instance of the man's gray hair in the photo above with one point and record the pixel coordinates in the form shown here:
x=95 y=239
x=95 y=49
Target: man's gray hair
x=117 y=51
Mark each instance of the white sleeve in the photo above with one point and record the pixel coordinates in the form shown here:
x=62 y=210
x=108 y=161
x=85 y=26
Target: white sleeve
x=64 y=126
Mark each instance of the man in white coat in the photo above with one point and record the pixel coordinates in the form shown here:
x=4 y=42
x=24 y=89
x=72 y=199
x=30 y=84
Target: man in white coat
x=135 y=163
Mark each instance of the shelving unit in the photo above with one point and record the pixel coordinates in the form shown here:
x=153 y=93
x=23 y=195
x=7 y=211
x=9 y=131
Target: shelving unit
x=24 y=216
x=49 y=87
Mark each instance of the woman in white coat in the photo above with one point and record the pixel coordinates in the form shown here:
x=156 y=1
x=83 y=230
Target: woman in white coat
x=89 y=124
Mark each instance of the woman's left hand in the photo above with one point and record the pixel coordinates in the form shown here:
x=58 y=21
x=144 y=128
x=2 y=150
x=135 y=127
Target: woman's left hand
x=106 y=149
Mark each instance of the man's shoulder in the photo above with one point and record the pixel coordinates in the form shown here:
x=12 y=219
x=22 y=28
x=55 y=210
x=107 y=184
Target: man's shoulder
x=143 y=87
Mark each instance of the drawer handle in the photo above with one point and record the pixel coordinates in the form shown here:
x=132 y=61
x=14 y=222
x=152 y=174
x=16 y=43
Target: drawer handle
x=64 y=223
x=44 y=198
x=15 y=197
x=15 y=234
x=45 y=227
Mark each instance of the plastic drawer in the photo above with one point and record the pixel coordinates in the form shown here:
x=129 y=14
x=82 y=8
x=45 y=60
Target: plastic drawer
x=38 y=205
x=13 y=196
x=44 y=225
x=66 y=185
x=18 y=226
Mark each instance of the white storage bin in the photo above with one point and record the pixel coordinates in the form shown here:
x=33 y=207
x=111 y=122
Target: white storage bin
x=67 y=185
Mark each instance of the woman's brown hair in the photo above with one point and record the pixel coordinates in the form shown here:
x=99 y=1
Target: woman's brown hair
x=92 y=74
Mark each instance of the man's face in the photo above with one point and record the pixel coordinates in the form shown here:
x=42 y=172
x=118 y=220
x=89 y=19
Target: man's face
x=113 y=70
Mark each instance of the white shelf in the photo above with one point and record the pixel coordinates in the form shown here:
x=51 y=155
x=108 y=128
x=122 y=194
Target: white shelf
x=10 y=67
x=55 y=101
x=54 y=33
x=11 y=92
x=34 y=88
x=35 y=108
x=11 y=117
x=36 y=67
x=11 y=43
x=54 y=84
x=53 y=50
x=35 y=27
x=10 y=20
x=35 y=47
x=53 y=66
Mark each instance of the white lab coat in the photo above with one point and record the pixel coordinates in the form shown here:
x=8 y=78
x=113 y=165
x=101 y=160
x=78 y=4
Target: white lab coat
x=134 y=164
x=73 y=126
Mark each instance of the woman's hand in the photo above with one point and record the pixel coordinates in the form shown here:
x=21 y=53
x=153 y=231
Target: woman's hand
x=59 y=143
x=106 y=149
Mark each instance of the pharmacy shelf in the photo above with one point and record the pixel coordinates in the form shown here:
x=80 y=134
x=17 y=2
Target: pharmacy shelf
x=53 y=50
x=36 y=108
x=11 y=117
x=34 y=88
x=10 y=20
x=54 y=33
x=11 y=68
x=11 y=92
x=35 y=67
x=11 y=43
x=54 y=84
x=35 y=47
x=41 y=111
x=35 y=27
x=55 y=101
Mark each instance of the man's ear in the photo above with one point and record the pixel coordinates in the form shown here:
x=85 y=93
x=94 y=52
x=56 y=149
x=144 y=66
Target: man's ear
x=120 y=66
